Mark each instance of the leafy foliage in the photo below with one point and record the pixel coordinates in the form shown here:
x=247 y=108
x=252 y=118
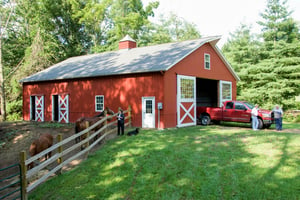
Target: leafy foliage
x=269 y=68
x=44 y=32
x=14 y=109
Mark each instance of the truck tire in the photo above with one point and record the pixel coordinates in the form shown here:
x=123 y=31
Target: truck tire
x=205 y=120
x=260 y=124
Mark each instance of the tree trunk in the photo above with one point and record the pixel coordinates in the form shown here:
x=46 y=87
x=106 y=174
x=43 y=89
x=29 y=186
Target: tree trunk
x=2 y=89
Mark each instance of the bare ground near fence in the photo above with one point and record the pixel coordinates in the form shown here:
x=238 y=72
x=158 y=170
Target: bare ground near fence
x=17 y=136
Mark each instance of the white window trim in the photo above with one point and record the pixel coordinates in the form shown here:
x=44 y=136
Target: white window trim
x=206 y=54
x=221 y=90
x=99 y=103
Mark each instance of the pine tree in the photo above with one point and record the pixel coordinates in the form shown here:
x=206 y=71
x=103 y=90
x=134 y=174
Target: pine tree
x=241 y=50
x=275 y=78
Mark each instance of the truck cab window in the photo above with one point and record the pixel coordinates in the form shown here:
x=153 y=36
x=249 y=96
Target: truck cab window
x=229 y=105
x=239 y=106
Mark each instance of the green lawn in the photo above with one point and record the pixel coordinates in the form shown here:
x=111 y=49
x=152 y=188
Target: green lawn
x=202 y=162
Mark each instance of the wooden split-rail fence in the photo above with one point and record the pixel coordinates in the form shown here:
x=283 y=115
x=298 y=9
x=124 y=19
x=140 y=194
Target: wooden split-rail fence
x=54 y=164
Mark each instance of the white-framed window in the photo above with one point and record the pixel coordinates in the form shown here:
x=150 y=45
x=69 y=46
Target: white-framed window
x=206 y=61
x=99 y=103
x=187 y=89
x=225 y=91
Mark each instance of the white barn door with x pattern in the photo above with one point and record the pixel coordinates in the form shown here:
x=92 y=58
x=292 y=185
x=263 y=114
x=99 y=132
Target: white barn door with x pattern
x=37 y=108
x=63 y=108
x=186 y=101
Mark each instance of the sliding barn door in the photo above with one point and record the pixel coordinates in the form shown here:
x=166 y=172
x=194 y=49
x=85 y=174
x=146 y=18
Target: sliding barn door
x=37 y=108
x=63 y=108
x=186 y=101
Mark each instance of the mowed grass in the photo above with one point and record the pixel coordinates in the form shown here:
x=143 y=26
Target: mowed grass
x=201 y=162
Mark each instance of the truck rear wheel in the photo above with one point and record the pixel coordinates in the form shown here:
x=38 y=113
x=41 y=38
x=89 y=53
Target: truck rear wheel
x=205 y=120
x=260 y=124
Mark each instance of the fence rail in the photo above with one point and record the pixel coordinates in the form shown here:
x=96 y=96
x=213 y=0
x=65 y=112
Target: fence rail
x=14 y=180
x=61 y=153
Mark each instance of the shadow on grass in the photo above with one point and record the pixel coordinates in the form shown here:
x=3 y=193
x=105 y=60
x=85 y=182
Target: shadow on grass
x=203 y=162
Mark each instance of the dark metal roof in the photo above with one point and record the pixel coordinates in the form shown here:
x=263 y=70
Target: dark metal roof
x=126 y=61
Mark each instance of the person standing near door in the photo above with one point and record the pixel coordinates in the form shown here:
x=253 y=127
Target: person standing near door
x=121 y=119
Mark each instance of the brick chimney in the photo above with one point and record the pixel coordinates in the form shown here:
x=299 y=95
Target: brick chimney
x=127 y=43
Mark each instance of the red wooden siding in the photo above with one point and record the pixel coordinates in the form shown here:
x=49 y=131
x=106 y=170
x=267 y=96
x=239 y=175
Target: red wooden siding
x=193 y=65
x=118 y=91
x=124 y=90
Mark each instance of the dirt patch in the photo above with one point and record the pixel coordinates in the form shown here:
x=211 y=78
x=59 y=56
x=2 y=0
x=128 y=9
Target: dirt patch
x=17 y=136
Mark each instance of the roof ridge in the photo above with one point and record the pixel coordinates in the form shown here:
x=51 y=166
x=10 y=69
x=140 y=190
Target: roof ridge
x=162 y=44
x=158 y=57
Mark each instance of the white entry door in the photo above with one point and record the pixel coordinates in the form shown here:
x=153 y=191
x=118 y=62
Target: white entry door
x=148 y=112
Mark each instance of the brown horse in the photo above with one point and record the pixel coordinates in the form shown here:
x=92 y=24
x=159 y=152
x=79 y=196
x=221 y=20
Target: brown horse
x=81 y=124
x=38 y=145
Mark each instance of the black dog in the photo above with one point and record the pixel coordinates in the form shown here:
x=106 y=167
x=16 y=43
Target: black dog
x=134 y=132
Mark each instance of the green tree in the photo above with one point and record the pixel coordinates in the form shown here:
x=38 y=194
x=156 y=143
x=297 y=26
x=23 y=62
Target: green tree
x=7 y=11
x=128 y=17
x=241 y=50
x=273 y=77
x=171 y=28
x=93 y=14
x=277 y=23
x=40 y=33
x=43 y=32
x=242 y=47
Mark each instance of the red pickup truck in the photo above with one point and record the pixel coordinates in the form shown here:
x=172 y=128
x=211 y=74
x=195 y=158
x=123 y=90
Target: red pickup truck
x=234 y=111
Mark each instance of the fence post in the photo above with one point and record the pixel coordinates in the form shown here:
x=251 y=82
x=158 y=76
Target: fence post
x=87 y=136
x=59 y=149
x=23 y=175
x=129 y=116
x=105 y=122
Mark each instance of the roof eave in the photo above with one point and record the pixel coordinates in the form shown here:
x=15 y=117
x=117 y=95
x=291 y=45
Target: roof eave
x=227 y=64
x=84 y=77
x=214 y=40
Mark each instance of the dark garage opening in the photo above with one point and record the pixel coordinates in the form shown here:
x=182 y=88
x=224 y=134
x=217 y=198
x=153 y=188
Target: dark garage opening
x=55 y=107
x=207 y=92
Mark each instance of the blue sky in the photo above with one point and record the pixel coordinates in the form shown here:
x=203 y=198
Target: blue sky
x=220 y=17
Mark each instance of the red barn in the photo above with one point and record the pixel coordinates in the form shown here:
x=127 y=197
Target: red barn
x=162 y=83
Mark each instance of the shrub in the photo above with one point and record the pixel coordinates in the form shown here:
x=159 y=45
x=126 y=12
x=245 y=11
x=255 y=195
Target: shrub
x=292 y=116
x=14 y=110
